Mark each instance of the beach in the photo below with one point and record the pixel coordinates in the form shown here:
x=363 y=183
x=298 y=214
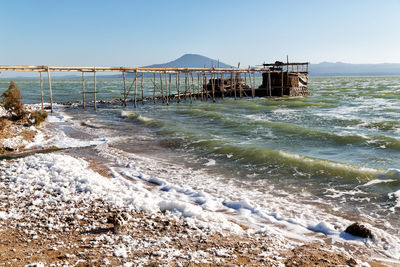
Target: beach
x=269 y=182
x=61 y=210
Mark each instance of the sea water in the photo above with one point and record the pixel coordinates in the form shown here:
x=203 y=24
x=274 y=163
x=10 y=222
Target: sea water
x=317 y=163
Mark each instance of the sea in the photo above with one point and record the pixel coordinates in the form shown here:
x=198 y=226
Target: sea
x=298 y=166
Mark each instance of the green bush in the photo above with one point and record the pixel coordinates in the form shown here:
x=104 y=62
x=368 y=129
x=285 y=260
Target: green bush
x=38 y=116
x=11 y=101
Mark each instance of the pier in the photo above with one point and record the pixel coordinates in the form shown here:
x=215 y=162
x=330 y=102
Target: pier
x=175 y=84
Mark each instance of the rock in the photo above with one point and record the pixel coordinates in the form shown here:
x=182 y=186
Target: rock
x=357 y=229
x=119 y=220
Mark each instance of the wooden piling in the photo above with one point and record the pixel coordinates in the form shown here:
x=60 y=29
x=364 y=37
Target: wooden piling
x=95 y=93
x=252 y=86
x=161 y=88
x=154 y=91
x=199 y=85
x=123 y=77
x=202 y=86
x=189 y=89
x=269 y=83
x=240 y=85
x=213 y=86
x=166 y=89
x=192 y=85
x=245 y=79
x=141 y=87
x=179 y=86
x=83 y=91
x=233 y=77
x=50 y=92
x=169 y=87
x=282 y=81
x=222 y=86
x=41 y=89
x=134 y=96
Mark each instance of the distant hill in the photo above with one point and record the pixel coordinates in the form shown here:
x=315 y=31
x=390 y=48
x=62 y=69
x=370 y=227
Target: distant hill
x=347 y=69
x=191 y=61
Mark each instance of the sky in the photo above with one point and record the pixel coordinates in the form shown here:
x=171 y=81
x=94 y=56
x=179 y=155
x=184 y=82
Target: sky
x=138 y=33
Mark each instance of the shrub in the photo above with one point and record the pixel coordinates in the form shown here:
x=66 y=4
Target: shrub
x=37 y=116
x=11 y=101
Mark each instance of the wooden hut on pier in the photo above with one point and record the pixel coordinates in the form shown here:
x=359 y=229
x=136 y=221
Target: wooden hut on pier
x=281 y=79
x=278 y=79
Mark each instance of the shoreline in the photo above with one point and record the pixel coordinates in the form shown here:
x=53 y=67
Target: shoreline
x=235 y=247
x=94 y=231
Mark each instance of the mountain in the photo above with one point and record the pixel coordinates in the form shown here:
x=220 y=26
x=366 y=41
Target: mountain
x=347 y=69
x=191 y=61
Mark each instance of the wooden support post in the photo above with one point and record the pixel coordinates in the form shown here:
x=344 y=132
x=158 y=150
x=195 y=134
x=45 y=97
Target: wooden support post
x=222 y=86
x=269 y=83
x=202 y=86
x=240 y=85
x=123 y=77
x=233 y=77
x=41 y=88
x=254 y=85
x=141 y=87
x=245 y=80
x=186 y=84
x=83 y=91
x=154 y=91
x=161 y=88
x=134 y=96
x=287 y=73
x=179 y=86
x=198 y=84
x=282 y=81
x=50 y=92
x=251 y=85
x=166 y=88
x=206 y=86
x=213 y=86
x=169 y=87
x=95 y=93
x=192 y=85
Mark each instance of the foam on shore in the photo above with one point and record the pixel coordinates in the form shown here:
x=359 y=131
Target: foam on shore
x=206 y=201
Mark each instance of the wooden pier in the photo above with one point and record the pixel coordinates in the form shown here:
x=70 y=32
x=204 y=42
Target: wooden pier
x=279 y=79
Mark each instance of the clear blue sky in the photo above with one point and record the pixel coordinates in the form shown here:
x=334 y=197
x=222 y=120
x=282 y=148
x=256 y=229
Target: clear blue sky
x=137 y=33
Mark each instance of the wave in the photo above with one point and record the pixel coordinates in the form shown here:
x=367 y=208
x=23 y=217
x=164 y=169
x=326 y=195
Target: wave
x=288 y=162
x=142 y=119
